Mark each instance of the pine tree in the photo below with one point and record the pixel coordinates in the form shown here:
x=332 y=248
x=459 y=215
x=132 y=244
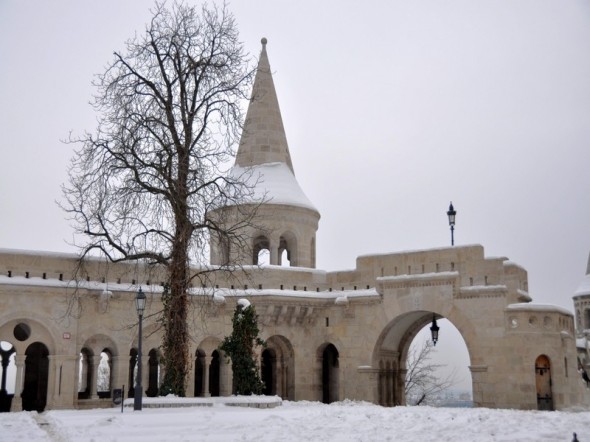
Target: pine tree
x=239 y=347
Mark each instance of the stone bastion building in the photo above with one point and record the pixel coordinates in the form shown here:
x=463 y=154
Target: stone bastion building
x=331 y=335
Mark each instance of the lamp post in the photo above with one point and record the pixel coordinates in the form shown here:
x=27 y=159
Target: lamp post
x=451 y=214
x=140 y=306
x=434 y=328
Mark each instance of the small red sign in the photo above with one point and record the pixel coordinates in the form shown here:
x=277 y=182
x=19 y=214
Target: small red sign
x=67 y=335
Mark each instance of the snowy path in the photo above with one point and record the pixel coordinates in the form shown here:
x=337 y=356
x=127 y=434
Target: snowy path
x=296 y=421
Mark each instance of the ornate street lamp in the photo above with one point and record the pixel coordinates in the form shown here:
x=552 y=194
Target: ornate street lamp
x=140 y=306
x=451 y=214
x=434 y=330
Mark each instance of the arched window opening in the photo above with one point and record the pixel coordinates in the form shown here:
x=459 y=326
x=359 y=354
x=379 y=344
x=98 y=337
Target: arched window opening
x=261 y=251
x=103 y=376
x=285 y=259
x=330 y=374
x=84 y=374
x=288 y=250
x=263 y=258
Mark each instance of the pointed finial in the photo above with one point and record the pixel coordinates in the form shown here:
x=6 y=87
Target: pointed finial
x=263 y=41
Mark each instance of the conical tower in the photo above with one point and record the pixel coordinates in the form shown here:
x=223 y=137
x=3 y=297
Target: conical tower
x=263 y=137
x=287 y=222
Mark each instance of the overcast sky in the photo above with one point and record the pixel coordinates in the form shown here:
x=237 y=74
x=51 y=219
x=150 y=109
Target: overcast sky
x=392 y=109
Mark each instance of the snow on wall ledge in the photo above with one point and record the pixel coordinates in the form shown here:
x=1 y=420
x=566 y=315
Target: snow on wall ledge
x=533 y=306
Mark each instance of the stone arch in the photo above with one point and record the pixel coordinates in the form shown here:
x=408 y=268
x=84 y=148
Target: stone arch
x=91 y=369
x=34 y=394
x=259 y=244
x=391 y=352
x=40 y=331
x=288 y=243
x=278 y=367
x=329 y=376
x=209 y=371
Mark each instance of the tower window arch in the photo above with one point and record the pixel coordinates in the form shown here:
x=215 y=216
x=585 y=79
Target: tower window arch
x=261 y=251
x=288 y=250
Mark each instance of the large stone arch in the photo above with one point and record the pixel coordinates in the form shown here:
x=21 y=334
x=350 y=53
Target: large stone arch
x=40 y=331
x=391 y=352
x=34 y=340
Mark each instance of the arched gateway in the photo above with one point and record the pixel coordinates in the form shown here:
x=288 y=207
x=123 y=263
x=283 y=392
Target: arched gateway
x=331 y=335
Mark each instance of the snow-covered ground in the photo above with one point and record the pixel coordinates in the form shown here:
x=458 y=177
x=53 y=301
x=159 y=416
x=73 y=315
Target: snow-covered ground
x=295 y=421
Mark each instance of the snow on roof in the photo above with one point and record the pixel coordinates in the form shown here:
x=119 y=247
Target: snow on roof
x=433 y=249
x=483 y=288
x=41 y=253
x=274 y=182
x=217 y=294
x=433 y=275
x=551 y=308
x=584 y=287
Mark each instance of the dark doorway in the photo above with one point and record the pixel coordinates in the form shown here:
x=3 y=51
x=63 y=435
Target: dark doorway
x=330 y=374
x=543 y=381
x=34 y=393
x=268 y=372
x=214 y=374
x=153 y=372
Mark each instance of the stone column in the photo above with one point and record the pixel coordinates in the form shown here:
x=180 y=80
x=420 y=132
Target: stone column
x=225 y=378
x=17 y=400
x=53 y=381
x=95 y=361
x=206 y=371
x=273 y=246
x=281 y=378
x=119 y=371
x=145 y=370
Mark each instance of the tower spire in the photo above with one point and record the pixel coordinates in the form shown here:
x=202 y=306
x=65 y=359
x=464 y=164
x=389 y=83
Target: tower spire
x=263 y=137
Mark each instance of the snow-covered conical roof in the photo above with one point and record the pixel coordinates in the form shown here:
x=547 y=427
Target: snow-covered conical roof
x=263 y=153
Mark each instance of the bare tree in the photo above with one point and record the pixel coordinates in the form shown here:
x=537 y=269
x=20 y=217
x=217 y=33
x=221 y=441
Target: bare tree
x=143 y=185
x=422 y=384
